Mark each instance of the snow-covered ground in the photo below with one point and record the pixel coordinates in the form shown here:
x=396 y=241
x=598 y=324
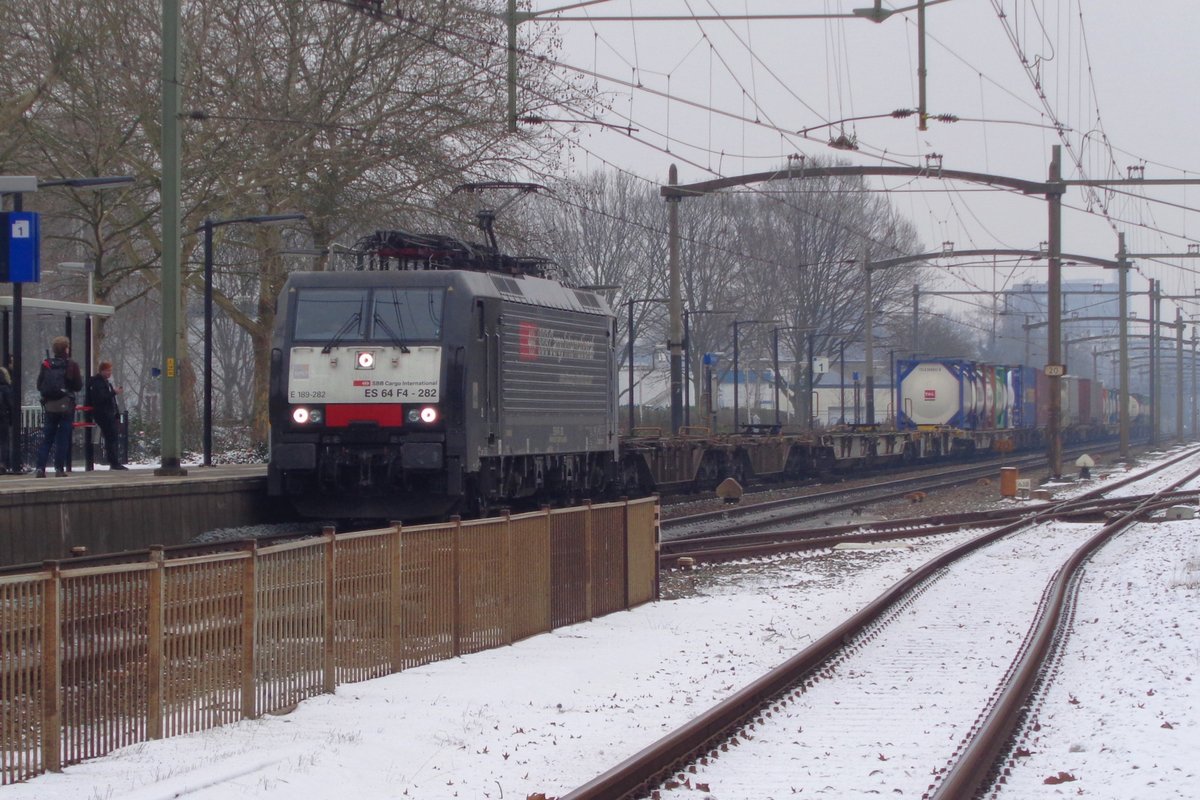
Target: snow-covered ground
x=900 y=706
x=1123 y=718
x=549 y=713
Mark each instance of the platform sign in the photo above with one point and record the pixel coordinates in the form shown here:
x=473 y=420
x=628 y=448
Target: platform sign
x=20 y=248
x=820 y=365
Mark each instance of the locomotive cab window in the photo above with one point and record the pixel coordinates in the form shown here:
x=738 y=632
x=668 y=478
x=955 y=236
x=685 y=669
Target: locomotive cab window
x=396 y=316
x=407 y=315
x=323 y=314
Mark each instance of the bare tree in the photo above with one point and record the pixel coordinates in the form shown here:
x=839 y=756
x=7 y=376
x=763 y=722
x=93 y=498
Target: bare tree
x=608 y=229
x=804 y=249
x=790 y=261
x=357 y=120
x=37 y=43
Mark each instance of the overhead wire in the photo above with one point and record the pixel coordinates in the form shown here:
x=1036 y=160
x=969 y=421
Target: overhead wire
x=808 y=212
x=596 y=75
x=743 y=118
x=1034 y=74
x=1063 y=128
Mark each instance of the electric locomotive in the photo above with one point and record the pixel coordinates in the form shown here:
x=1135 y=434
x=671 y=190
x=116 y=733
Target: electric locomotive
x=446 y=378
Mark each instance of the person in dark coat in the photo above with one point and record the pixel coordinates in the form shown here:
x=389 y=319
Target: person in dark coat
x=59 y=413
x=102 y=396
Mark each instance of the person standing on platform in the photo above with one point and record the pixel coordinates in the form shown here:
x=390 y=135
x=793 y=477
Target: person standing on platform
x=8 y=410
x=58 y=380
x=102 y=396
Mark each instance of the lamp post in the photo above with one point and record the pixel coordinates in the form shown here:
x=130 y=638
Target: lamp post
x=17 y=186
x=1178 y=374
x=842 y=381
x=630 y=304
x=687 y=358
x=775 y=359
x=736 y=374
x=207 y=229
x=869 y=354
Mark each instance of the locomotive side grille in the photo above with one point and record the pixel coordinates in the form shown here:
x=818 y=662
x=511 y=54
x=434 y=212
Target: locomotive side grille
x=555 y=362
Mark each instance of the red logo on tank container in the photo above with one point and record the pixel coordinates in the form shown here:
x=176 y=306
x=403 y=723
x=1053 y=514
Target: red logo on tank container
x=931 y=394
x=362 y=383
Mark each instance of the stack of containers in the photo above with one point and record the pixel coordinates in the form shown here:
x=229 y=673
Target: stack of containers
x=937 y=392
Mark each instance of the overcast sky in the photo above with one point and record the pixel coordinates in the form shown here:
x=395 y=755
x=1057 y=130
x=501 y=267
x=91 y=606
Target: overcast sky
x=1119 y=77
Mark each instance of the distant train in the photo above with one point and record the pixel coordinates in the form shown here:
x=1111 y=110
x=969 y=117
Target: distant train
x=443 y=377
x=973 y=396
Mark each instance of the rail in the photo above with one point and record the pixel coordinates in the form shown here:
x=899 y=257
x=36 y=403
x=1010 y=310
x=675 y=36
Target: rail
x=640 y=773
x=980 y=763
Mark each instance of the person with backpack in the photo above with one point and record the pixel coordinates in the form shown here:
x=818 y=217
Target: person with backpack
x=8 y=410
x=102 y=396
x=58 y=380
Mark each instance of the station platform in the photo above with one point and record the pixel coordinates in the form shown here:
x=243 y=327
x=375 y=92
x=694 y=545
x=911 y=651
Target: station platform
x=110 y=511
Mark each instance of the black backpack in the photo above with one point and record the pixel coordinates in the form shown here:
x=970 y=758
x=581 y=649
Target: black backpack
x=52 y=380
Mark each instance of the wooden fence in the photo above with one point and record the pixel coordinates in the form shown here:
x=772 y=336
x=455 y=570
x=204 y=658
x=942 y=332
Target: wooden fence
x=97 y=658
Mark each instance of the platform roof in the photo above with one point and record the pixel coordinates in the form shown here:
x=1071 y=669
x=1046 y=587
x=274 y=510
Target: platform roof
x=62 y=306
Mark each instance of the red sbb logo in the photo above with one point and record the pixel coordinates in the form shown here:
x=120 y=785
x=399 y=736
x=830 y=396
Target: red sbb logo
x=931 y=394
x=527 y=333
x=362 y=383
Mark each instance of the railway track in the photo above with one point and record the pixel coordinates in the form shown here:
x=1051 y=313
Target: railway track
x=690 y=551
x=823 y=503
x=687 y=755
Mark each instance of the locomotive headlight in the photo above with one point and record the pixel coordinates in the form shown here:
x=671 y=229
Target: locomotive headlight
x=366 y=359
x=307 y=416
x=427 y=415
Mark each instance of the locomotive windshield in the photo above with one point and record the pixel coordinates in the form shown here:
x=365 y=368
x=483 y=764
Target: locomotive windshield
x=324 y=314
x=407 y=314
x=396 y=315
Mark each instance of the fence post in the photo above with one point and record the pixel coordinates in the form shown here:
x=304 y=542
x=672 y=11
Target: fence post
x=548 y=554
x=396 y=627
x=455 y=571
x=588 y=564
x=154 y=646
x=52 y=668
x=510 y=582
x=626 y=577
x=329 y=662
x=657 y=548
x=249 y=628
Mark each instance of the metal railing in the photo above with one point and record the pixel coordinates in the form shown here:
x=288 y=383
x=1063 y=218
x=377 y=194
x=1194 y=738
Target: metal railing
x=95 y=658
x=33 y=420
